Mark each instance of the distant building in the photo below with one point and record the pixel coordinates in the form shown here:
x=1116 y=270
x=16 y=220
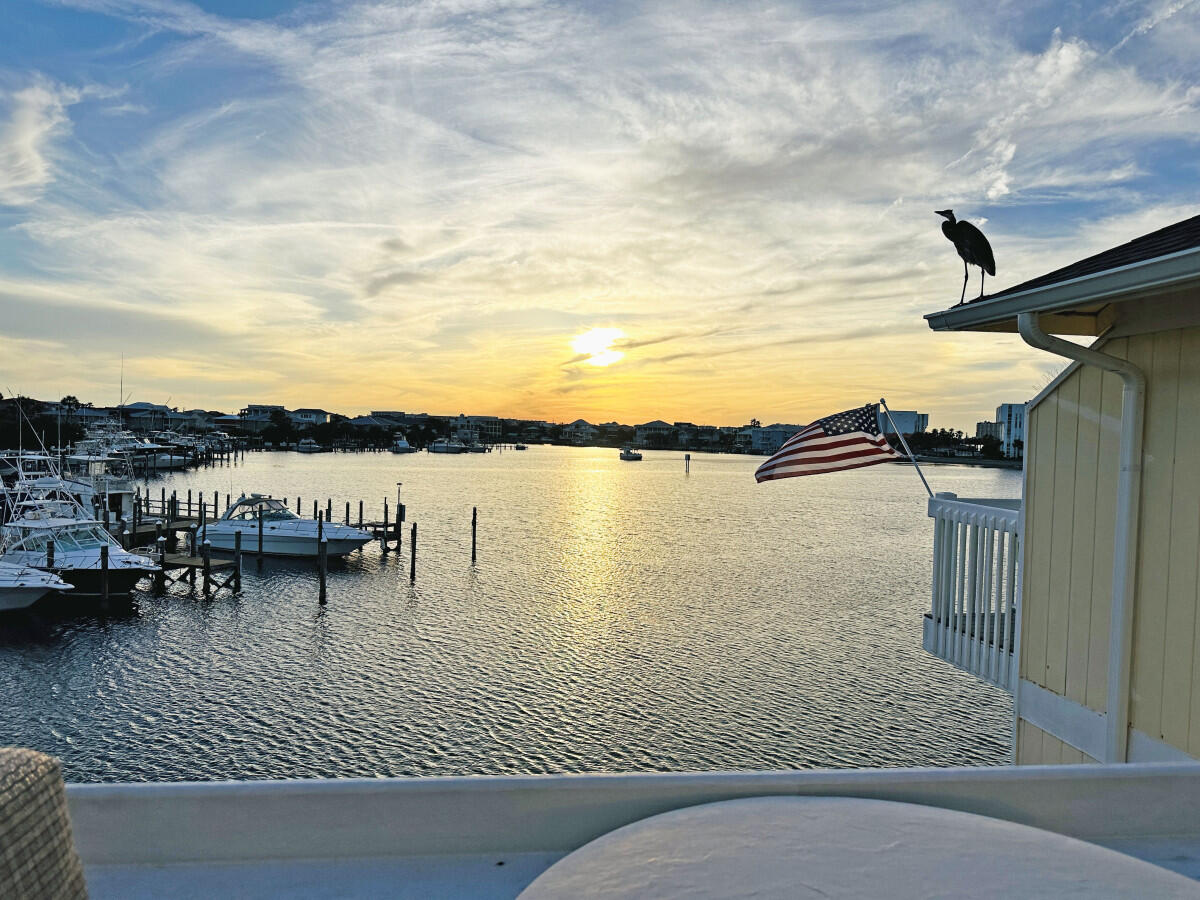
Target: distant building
x=1012 y=417
x=658 y=432
x=580 y=432
x=990 y=430
x=908 y=421
x=488 y=429
x=369 y=422
x=303 y=418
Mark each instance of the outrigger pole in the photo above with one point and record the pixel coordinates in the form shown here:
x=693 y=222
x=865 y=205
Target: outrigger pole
x=912 y=459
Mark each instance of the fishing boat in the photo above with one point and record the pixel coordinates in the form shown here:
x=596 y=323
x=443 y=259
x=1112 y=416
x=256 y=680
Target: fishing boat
x=446 y=445
x=520 y=447
x=284 y=533
x=23 y=586
x=308 y=445
x=630 y=455
x=401 y=445
x=59 y=537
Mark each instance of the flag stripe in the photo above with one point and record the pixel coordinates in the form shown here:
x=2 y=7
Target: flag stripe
x=845 y=440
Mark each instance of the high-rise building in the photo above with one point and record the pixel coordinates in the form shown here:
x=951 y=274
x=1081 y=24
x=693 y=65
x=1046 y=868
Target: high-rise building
x=1012 y=417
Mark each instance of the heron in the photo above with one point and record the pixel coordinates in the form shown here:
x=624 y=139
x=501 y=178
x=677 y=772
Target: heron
x=971 y=245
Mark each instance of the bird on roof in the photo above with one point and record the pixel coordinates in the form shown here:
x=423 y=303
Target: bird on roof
x=971 y=245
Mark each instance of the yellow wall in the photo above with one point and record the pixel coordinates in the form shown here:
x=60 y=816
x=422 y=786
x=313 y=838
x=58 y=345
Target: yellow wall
x=1072 y=447
x=1036 y=747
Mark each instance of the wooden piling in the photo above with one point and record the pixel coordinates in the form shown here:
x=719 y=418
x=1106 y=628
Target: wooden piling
x=323 y=562
x=260 y=536
x=237 y=561
x=347 y=512
x=474 y=524
x=328 y=509
x=360 y=513
x=412 y=549
x=104 y=571
x=207 y=555
x=383 y=534
x=316 y=508
x=189 y=503
x=160 y=577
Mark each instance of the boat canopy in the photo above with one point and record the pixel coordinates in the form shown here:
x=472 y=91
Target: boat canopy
x=252 y=507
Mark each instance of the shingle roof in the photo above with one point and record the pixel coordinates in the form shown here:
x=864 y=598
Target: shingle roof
x=1181 y=236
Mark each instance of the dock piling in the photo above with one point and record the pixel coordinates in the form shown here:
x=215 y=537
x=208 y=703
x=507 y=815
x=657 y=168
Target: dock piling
x=474 y=524
x=207 y=555
x=323 y=561
x=160 y=577
x=383 y=534
x=347 y=512
x=260 y=537
x=237 y=561
x=328 y=509
x=104 y=571
x=360 y=513
x=412 y=549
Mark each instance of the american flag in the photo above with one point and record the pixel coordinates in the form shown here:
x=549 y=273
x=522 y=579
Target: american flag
x=845 y=440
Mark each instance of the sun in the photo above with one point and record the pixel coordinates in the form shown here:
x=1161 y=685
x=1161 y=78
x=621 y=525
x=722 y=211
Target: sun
x=596 y=345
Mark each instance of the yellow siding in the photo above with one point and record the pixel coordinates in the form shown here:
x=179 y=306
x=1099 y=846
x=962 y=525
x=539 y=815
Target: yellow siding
x=1037 y=748
x=1072 y=449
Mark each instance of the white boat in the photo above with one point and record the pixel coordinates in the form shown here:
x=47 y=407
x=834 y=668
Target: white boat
x=477 y=448
x=445 y=445
x=308 y=445
x=400 y=445
x=22 y=586
x=284 y=532
x=76 y=541
x=630 y=455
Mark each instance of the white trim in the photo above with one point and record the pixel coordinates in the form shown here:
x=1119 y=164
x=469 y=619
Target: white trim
x=1145 y=749
x=1072 y=723
x=1111 y=285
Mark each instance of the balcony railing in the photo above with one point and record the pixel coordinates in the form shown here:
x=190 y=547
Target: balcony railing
x=976 y=555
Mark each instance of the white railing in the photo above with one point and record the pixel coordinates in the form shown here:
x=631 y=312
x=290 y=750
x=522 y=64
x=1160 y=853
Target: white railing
x=976 y=556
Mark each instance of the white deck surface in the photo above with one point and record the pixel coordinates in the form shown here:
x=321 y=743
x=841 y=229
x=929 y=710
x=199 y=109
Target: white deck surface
x=443 y=837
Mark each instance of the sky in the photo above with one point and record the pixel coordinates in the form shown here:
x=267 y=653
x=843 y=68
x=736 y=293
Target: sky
x=704 y=212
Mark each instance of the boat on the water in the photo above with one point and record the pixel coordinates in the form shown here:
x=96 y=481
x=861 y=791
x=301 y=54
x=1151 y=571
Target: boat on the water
x=284 y=533
x=401 y=445
x=630 y=455
x=446 y=445
x=520 y=447
x=23 y=586
x=58 y=537
x=308 y=445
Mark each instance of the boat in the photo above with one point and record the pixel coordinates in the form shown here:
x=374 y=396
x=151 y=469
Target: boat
x=58 y=536
x=284 y=533
x=308 y=445
x=520 y=447
x=445 y=445
x=23 y=586
x=630 y=455
x=474 y=447
x=401 y=445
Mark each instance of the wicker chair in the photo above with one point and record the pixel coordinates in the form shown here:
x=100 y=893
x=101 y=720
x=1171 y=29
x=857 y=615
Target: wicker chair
x=37 y=855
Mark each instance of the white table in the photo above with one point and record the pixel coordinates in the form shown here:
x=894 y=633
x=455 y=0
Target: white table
x=841 y=847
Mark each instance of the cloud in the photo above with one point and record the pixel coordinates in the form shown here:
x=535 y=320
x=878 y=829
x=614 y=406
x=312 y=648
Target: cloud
x=448 y=192
x=34 y=116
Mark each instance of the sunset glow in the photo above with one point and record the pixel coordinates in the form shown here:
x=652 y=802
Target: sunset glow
x=596 y=345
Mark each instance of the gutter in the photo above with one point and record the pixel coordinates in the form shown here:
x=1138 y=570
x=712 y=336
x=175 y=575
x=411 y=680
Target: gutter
x=1129 y=488
x=1122 y=283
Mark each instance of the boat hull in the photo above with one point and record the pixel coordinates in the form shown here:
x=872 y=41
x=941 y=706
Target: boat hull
x=87 y=582
x=22 y=597
x=275 y=544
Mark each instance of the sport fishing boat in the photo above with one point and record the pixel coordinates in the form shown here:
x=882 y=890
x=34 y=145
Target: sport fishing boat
x=401 y=445
x=57 y=536
x=445 y=445
x=630 y=455
x=308 y=445
x=284 y=533
x=22 y=586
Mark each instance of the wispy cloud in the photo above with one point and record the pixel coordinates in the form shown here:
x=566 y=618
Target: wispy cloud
x=448 y=192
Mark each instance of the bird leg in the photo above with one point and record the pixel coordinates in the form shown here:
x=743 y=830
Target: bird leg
x=981 y=274
x=963 y=298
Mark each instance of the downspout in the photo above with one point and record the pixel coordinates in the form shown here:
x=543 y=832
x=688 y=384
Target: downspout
x=1125 y=537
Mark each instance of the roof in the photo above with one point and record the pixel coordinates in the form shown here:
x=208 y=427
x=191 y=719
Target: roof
x=1077 y=296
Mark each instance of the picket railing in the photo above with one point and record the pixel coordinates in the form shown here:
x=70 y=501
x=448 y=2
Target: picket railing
x=976 y=557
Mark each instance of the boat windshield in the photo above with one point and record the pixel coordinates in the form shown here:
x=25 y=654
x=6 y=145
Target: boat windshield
x=271 y=510
x=66 y=540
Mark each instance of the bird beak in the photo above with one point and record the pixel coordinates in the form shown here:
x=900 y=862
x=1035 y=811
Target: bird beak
x=941 y=212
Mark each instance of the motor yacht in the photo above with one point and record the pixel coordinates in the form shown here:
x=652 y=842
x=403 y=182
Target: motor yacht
x=630 y=455
x=308 y=445
x=446 y=445
x=22 y=586
x=76 y=540
x=284 y=533
x=401 y=445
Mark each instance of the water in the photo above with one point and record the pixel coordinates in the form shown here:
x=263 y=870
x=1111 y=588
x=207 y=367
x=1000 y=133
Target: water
x=621 y=616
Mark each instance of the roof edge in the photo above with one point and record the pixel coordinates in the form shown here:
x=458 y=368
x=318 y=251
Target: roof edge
x=1121 y=283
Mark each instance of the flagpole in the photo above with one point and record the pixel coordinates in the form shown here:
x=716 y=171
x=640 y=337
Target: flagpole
x=912 y=459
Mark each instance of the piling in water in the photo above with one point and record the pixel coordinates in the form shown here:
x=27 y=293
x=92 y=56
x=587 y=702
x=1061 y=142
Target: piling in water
x=412 y=547
x=474 y=525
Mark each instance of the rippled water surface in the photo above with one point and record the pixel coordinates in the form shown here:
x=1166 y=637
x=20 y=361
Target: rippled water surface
x=621 y=616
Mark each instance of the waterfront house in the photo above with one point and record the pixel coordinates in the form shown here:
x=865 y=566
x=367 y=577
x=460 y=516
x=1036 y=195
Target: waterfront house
x=652 y=434
x=307 y=417
x=580 y=432
x=1082 y=599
